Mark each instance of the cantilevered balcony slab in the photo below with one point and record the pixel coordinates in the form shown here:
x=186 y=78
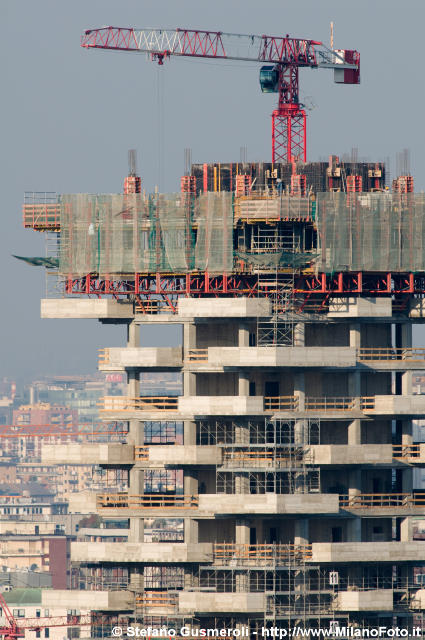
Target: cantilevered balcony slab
x=340 y=552
x=211 y=505
x=88 y=600
x=268 y=503
x=412 y=405
x=116 y=359
x=367 y=454
x=223 y=307
x=339 y=357
x=88 y=453
x=372 y=600
x=221 y=405
x=201 y=602
x=102 y=308
x=178 y=455
x=360 y=308
x=141 y=552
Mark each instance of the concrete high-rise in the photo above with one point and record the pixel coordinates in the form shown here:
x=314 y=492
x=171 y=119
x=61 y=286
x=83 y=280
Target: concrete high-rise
x=295 y=477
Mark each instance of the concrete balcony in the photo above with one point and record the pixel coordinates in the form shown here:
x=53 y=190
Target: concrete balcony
x=254 y=555
x=268 y=503
x=221 y=405
x=116 y=359
x=391 y=359
x=235 y=357
x=413 y=405
x=390 y=504
x=87 y=453
x=102 y=308
x=201 y=602
x=367 y=454
x=373 y=600
x=221 y=308
x=181 y=407
x=360 y=308
x=340 y=552
x=210 y=505
x=178 y=455
x=88 y=600
x=140 y=552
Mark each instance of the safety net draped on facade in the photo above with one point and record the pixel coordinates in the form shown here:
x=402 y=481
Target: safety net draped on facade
x=171 y=233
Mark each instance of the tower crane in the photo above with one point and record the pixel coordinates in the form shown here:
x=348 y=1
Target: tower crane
x=15 y=629
x=284 y=56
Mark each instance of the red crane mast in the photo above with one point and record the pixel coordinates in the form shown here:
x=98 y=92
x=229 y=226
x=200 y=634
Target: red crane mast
x=284 y=55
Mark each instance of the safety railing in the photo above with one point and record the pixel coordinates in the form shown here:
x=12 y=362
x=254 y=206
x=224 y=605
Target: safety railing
x=256 y=457
x=406 y=451
x=412 y=354
x=197 y=355
x=141 y=453
x=281 y=403
x=148 y=403
x=104 y=356
x=225 y=553
x=157 y=599
x=291 y=403
x=374 y=500
x=146 y=501
x=43 y=217
x=149 y=307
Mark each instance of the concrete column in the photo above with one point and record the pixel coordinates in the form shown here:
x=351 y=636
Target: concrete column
x=355 y=482
x=243 y=337
x=242 y=531
x=191 y=535
x=137 y=580
x=190 y=483
x=406 y=534
x=241 y=483
x=137 y=481
x=354 y=432
x=133 y=384
x=189 y=434
x=403 y=340
x=241 y=434
x=189 y=342
x=242 y=583
x=243 y=383
x=137 y=530
x=299 y=389
x=189 y=383
x=300 y=432
x=189 y=337
x=301 y=531
x=191 y=580
x=299 y=334
x=133 y=334
x=354 y=530
x=355 y=335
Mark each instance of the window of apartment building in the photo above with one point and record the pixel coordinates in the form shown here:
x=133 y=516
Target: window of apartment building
x=38 y=613
x=47 y=632
x=18 y=613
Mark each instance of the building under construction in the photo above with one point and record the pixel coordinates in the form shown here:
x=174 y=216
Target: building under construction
x=290 y=501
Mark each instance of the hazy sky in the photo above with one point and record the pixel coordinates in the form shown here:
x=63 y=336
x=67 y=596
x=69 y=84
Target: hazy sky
x=69 y=116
